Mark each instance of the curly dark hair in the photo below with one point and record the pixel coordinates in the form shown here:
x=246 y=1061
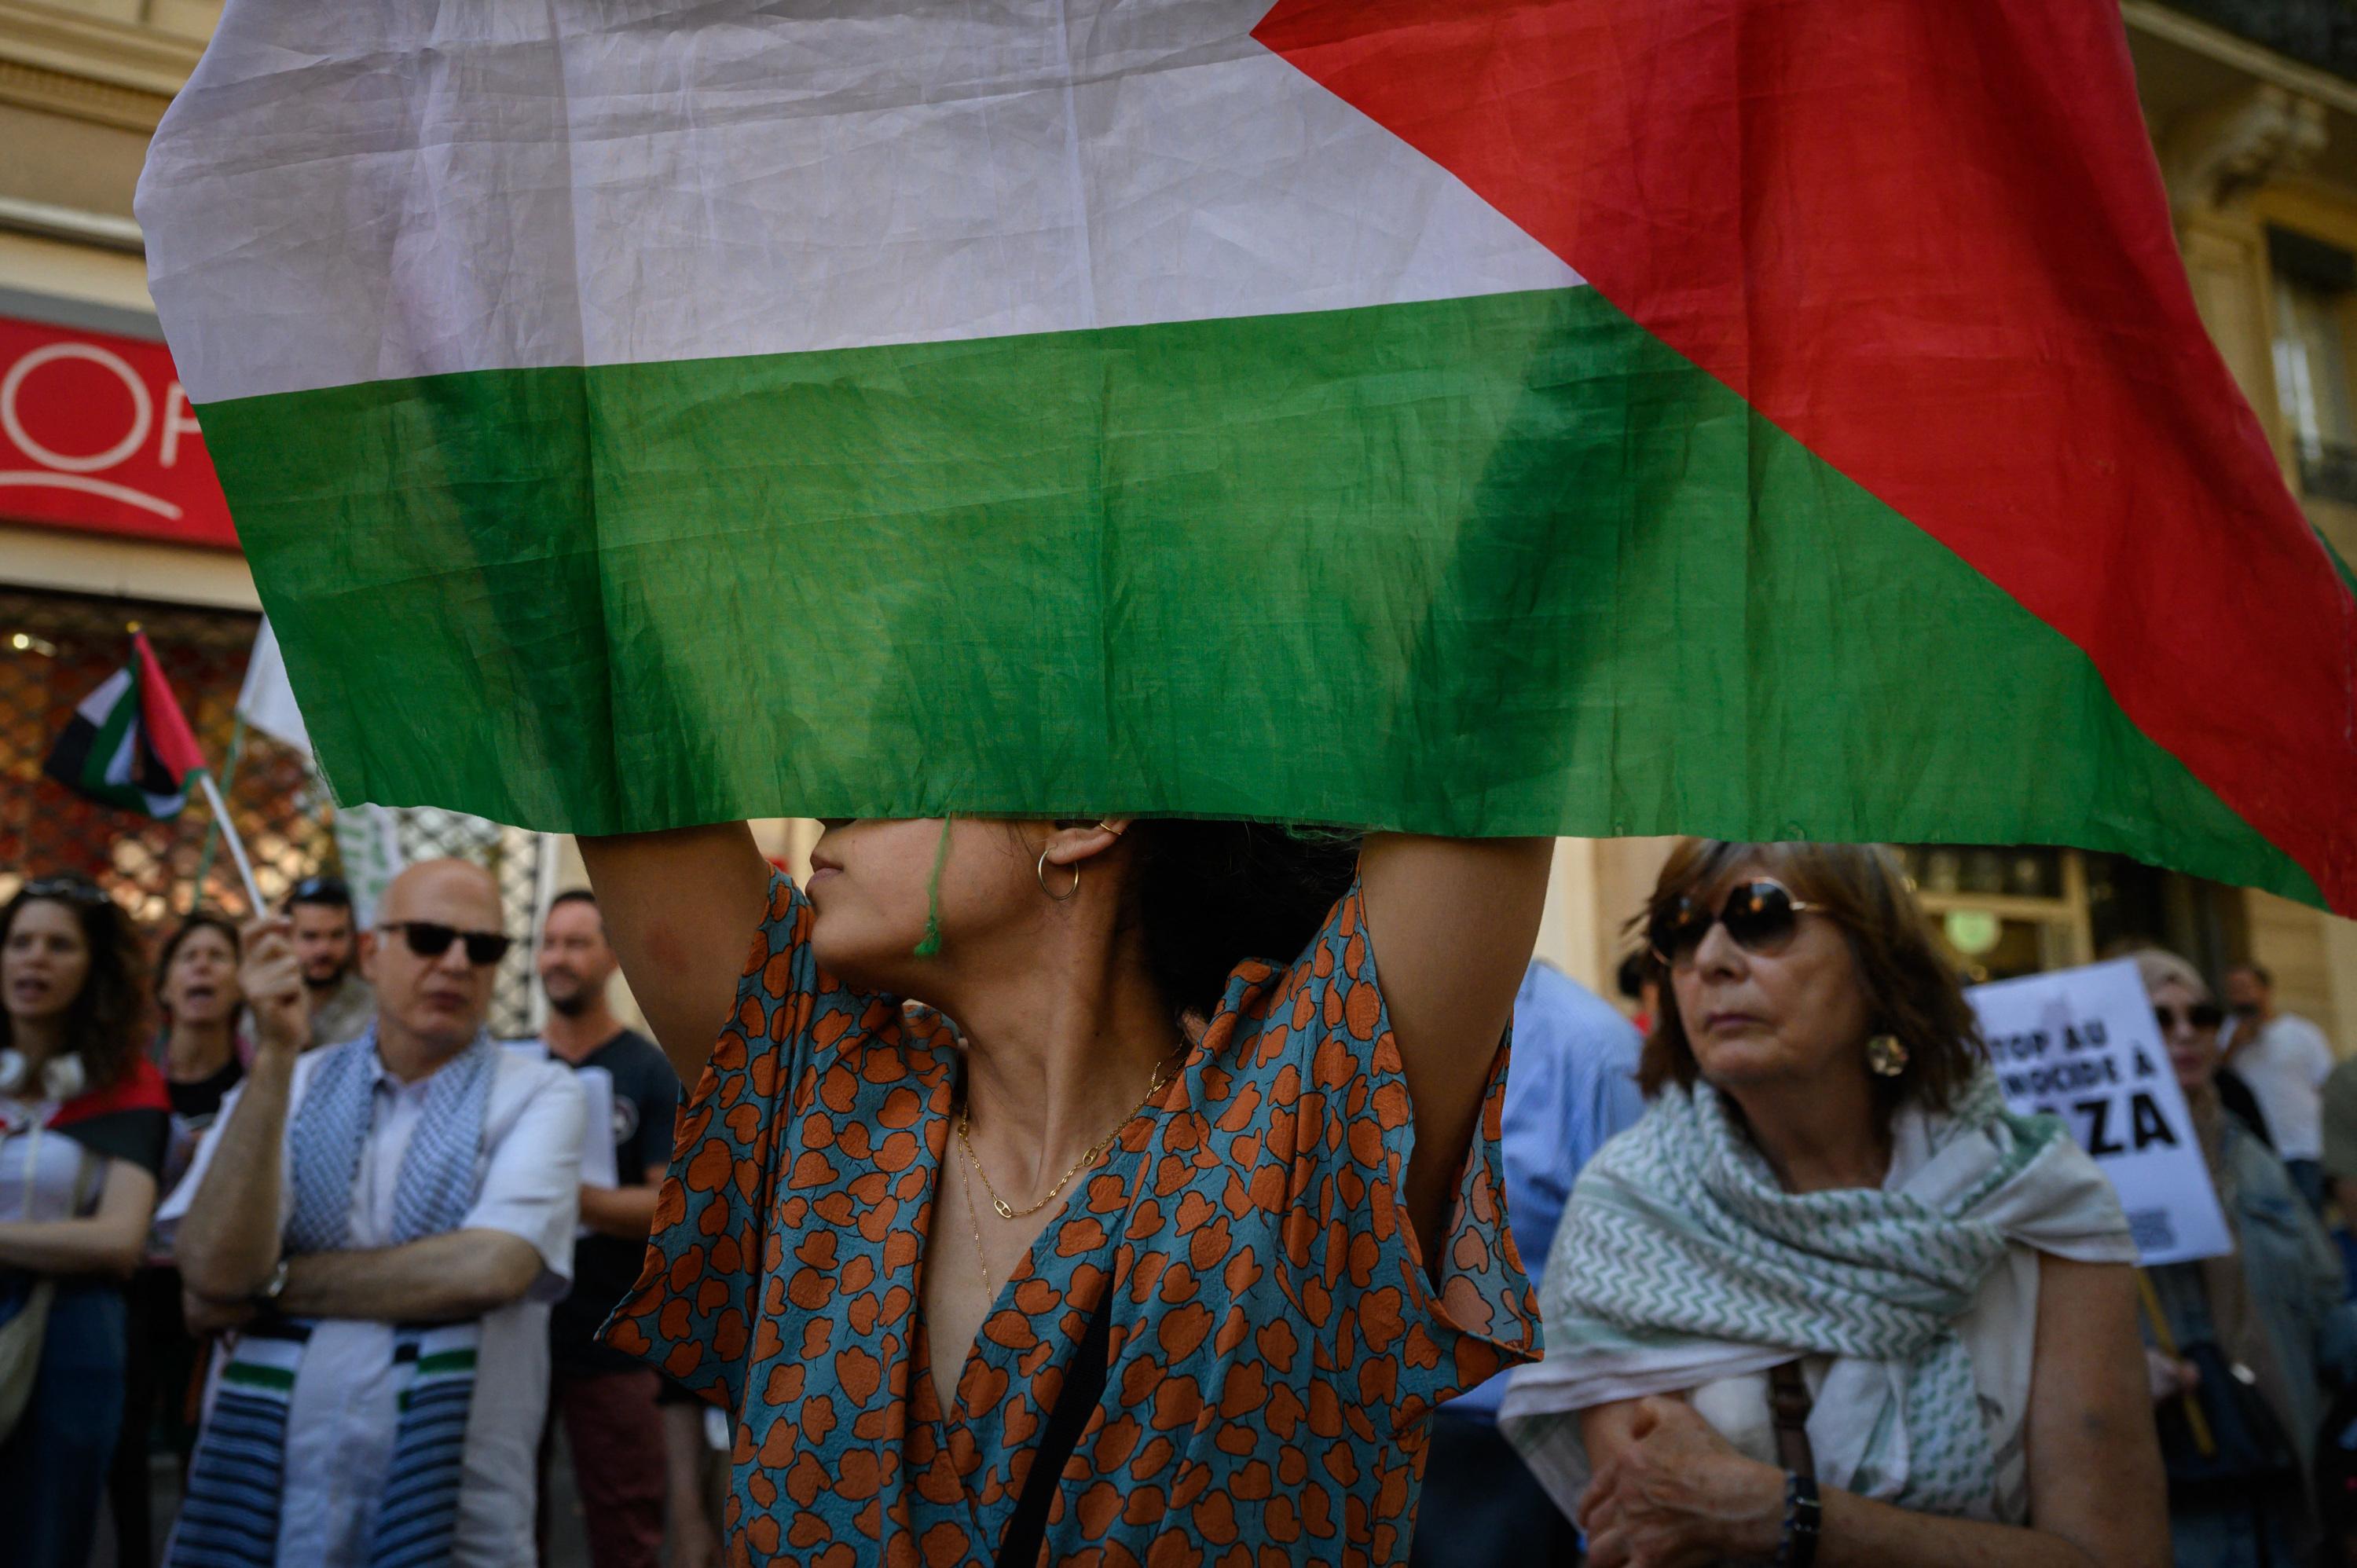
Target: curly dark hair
x=1911 y=990
x=1206 y=895
x=103 y=1023
x=1211 y=894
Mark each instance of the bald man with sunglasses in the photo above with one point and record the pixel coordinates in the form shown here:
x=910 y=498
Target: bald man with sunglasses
x=385 y=1224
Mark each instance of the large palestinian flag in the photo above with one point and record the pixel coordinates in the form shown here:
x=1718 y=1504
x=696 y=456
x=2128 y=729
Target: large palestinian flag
x=1756 y=418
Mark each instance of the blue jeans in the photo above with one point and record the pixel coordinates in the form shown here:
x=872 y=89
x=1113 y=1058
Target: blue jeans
x=53 y=1467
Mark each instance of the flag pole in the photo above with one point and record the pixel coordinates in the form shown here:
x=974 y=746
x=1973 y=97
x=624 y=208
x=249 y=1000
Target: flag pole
x=213 y=828
x=236 y=845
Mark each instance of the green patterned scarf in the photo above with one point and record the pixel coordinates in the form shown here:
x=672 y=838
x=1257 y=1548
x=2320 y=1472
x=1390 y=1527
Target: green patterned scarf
x=1681 y=1261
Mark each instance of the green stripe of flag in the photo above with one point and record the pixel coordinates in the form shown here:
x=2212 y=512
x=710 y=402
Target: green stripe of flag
x=1501 y=563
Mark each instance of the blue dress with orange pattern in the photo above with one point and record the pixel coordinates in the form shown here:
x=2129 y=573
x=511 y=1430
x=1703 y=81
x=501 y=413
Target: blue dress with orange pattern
x=1276 y=1340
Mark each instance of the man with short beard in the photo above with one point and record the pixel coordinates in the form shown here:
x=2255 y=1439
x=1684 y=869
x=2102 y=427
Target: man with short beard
x=319 y=913
x=607 y=1400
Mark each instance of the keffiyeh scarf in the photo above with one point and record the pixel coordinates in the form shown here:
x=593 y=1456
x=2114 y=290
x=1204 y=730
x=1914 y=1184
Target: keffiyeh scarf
x=1681 y=1261
x=230 y=1518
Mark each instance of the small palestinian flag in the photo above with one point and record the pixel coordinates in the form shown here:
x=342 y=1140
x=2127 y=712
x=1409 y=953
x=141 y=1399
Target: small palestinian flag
x=129 y=745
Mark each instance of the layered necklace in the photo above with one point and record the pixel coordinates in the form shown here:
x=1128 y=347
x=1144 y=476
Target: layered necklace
x=1096 y=1152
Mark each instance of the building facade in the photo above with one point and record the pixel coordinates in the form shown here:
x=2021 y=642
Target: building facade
x=110 y=514
x=2252 y=108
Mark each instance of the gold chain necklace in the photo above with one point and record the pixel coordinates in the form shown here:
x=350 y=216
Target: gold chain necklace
x=1006 y=1211
x=974 y=1225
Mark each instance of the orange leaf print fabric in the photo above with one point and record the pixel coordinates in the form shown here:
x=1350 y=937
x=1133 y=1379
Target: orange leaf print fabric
x=1276 y=1341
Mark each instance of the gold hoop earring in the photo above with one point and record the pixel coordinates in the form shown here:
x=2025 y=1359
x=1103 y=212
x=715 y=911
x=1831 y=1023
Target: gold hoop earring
x=1886 y=1055
x=1069 y=894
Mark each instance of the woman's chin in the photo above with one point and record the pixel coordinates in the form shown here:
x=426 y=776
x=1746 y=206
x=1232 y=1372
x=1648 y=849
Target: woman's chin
x=1740 y=1066
x=862 y=959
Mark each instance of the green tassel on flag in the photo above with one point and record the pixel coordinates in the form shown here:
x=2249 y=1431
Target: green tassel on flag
x=931 y=945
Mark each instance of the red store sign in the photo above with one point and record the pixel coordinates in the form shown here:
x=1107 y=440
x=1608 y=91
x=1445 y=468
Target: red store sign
x=97 y=435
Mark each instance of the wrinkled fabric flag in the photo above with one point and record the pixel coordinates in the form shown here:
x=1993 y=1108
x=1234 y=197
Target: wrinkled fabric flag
x=1476 y=416
x=127 y=744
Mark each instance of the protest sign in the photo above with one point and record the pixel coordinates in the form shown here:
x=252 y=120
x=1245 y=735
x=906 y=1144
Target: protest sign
x=2082 y=1043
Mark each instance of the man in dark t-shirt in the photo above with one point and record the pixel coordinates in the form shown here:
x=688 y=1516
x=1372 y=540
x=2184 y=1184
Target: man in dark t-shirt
x=607 y=1400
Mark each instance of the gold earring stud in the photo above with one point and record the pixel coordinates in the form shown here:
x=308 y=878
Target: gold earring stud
x=1886 y=1057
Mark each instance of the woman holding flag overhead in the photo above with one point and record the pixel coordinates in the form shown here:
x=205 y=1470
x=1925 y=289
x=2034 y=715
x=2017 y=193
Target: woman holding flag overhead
x=83 y=1125
x=1081 y=1183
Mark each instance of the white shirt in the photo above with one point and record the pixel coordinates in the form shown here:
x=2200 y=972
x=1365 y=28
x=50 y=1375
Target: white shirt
x=2285 y=1067
x=40 y=1167
x=341 y=1417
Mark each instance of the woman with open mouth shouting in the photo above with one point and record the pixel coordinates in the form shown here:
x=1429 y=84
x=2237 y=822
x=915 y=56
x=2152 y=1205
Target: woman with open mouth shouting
x=82 y=1125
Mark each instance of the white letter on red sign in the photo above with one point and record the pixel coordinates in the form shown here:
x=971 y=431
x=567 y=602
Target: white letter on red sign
x=143 y=408
x=177 y=419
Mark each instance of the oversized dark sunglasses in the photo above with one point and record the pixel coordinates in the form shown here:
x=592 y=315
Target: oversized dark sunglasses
x=2200 y=1016
x=1760 y=915
x=428 y=940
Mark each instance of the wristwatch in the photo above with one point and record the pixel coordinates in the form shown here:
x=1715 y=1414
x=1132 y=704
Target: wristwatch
x=276 y=1286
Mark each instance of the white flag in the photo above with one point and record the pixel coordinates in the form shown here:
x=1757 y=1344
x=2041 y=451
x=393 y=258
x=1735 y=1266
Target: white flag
x=267 y=702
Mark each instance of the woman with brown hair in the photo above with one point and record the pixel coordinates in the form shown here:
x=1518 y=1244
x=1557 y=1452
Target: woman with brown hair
x=82 y=1122
x=1828 y=1298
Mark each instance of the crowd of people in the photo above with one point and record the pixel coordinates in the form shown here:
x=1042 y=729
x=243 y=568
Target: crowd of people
x=332 y=1249
x=276 y=1205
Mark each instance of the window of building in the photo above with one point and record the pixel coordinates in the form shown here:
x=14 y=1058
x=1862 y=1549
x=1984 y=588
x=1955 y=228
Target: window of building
x=2315 y=291
x=2003 y=912
x=2020 y=910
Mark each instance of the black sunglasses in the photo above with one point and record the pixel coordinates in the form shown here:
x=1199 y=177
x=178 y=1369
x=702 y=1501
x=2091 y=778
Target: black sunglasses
x=2200 y=1016
x=320 y=888
x=428 y=940
x=1760 y=915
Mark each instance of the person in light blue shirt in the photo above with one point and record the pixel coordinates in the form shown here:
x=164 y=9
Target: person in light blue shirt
x=1571 y=1084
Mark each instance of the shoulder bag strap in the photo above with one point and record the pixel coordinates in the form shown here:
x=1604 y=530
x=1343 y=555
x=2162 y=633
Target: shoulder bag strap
x=1789 y=1404
x=1084 y=1381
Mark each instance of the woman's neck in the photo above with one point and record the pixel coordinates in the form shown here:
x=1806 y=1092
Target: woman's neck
x=195 y=1051
x=1818 y=1136
x=1054 y=1065
x=37 y=1039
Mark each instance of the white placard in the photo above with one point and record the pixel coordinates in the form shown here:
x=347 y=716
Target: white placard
x=2082 y=1045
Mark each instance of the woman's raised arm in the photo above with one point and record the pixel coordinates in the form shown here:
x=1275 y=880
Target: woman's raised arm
x=1453 y=922
x=680 y=909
